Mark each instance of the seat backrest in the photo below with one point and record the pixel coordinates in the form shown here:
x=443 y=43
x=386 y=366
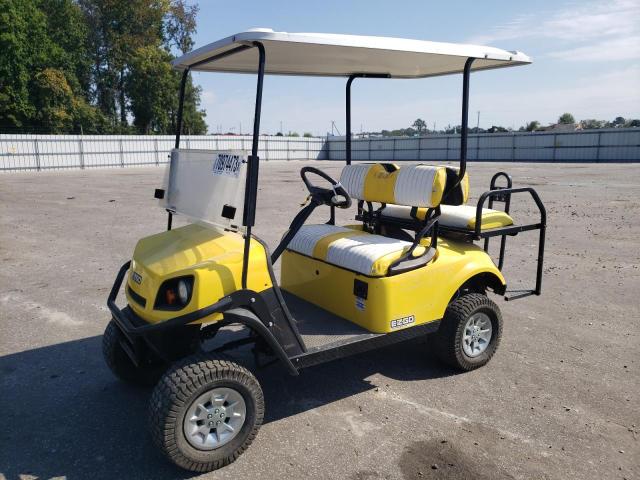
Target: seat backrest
x=411 y=185
x=421 y=186
x=457 y=192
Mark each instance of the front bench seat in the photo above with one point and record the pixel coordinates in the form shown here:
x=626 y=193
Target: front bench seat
x=367 y=253
x=353 y=249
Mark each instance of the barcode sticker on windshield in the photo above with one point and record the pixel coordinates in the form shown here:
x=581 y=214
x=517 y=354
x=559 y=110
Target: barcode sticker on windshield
x=227 y=164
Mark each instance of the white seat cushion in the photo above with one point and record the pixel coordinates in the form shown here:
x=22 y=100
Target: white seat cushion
x=461 y=216
x=349 y=248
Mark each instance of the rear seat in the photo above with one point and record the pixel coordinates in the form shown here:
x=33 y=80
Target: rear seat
x=454 y=216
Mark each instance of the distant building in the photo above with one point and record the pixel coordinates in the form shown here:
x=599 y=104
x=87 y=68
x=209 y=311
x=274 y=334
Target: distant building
x=561 y=127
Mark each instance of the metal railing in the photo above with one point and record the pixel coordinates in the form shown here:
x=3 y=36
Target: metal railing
x=47 y=152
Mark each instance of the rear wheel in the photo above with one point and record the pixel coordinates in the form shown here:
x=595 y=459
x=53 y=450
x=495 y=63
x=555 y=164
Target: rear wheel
x=121 y=365
x=470 y=332
x=205 y=413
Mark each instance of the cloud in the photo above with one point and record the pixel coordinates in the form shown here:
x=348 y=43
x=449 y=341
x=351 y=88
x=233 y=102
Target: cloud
x=591 y=31
x=627 y=48
x=208 y=97
x=602 y=96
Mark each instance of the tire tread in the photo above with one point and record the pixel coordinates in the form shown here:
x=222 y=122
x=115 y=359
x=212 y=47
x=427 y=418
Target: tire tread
x=448 y=345
x=175 y=389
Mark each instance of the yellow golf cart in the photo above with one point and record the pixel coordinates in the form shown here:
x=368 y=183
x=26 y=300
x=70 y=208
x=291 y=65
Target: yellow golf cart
x=407 y=267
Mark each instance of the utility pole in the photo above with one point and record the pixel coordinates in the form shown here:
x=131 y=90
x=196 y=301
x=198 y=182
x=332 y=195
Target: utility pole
x=240 y=128
x=334 y=127
x=281 y=131
x=478 y=123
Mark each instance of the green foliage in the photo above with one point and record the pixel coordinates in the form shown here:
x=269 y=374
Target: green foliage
x=23 y=46
x=532 y=126
x=95 y=65
x=53 y=99
x=592 y=123
x=566 y=118
x=420 y=126
x=152 y=88
x=181 y=25
x=307 y=135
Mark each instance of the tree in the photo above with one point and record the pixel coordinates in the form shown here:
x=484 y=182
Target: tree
x=420 y=125
x=592 y=123
x=307 y=135
x=152 y=88
x=618 y=122
x=181 y=25
x=633 y=123
x=532 y=126
x=53 y=99
x=24 y=44
x=91 y=64
x=566 y=119
x=193 y=115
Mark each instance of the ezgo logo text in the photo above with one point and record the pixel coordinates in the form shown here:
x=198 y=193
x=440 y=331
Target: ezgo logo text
x=403 y=322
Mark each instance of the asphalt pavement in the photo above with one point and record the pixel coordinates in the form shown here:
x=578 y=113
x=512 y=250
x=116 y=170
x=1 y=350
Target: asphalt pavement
x=560 y=399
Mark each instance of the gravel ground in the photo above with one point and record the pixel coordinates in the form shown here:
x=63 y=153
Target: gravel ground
x=559 y=400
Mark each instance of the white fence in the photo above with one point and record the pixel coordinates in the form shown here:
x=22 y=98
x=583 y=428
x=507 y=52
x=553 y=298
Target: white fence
x=45 y=152
x=607 y=145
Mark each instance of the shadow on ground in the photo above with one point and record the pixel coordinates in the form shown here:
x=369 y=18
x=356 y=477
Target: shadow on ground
x=64 y=414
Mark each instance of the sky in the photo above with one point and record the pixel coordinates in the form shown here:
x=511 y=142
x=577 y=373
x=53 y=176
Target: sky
x=586 y=61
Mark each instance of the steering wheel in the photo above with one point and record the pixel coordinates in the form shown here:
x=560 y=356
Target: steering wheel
x=326 y=196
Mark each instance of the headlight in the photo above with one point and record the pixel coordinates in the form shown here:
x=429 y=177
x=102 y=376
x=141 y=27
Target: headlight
x=183 y=291
x=174 y=294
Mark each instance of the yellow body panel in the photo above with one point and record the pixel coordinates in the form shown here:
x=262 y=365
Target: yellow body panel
x=213 y=257
x=421 y=295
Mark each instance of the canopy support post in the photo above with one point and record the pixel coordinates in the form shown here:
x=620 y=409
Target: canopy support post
x=183 y=85
x=348 y=120
x=251 y=186
x=465 y=118
x=352 y=77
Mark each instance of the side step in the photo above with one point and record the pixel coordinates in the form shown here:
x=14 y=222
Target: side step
x=517 y=294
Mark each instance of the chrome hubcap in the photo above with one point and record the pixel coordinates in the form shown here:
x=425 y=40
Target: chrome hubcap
x=476 y=335
x=214 y=418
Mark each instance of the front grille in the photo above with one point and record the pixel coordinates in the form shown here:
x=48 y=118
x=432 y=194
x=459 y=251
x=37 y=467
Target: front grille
x=138 y=298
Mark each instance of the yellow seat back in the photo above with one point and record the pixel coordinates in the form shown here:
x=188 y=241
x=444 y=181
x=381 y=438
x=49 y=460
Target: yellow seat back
x=411 y=185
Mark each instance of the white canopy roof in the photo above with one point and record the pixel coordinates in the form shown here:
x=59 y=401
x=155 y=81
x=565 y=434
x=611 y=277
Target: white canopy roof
x=324 y=54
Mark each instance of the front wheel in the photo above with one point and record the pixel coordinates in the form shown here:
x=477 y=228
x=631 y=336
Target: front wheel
x=205 y=413
x=470 y=332
x=121 y=365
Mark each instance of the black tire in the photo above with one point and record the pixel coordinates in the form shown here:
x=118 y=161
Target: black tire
x=121 y=365
x=175 y=393
x=448 y=338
